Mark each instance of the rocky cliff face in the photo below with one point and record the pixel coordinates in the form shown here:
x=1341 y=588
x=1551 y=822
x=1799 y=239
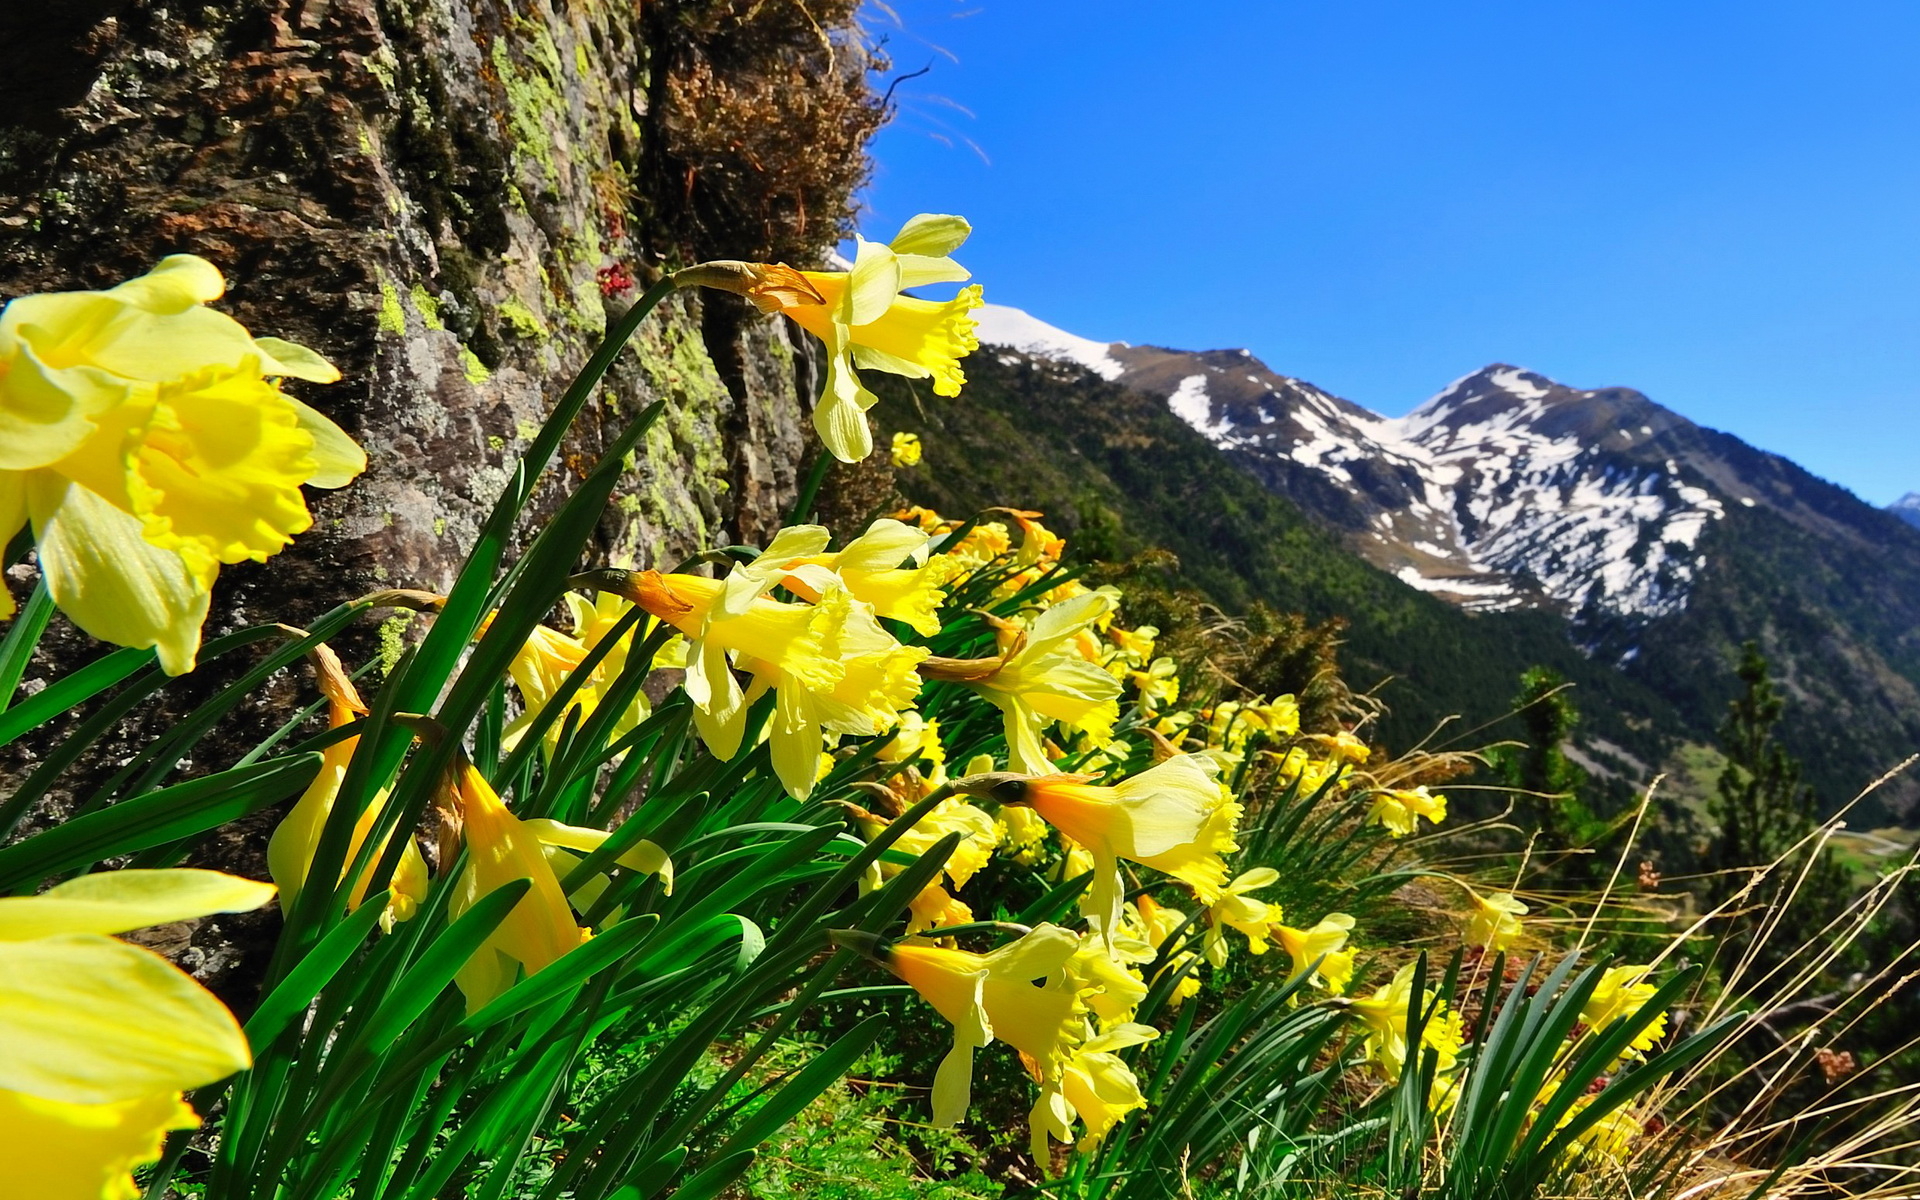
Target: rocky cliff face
x=449 y=199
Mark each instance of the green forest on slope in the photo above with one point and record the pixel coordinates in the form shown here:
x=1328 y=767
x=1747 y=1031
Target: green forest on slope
x=1126 y=476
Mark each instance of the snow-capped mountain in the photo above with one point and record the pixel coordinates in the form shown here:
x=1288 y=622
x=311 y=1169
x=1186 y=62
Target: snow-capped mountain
x=1907 y=508
x=1505 y=490
x=1592 y=530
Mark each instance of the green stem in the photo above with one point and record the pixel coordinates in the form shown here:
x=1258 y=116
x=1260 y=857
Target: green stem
x=17 y=650
x=803 y=505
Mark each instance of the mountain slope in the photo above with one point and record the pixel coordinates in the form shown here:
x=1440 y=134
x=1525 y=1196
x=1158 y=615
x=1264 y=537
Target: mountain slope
x=1030 y=432
x=1652 y=544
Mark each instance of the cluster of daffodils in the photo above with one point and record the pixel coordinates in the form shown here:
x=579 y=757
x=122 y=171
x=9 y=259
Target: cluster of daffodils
x=490 y=845
x=146 y=440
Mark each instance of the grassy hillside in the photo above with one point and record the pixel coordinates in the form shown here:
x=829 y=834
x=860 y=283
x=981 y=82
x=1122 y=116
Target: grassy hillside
x=1125 y=473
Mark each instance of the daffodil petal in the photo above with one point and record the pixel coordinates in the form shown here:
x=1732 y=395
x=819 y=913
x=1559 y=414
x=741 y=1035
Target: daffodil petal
x=931 y=233
x=176 y=283
x=83 y=1151
x=886 y=545
x=86 y=1019
x=872 y=285
x=45 y=413
x=281 y=357
x=111 y=582
x=338 y=459
x=117 y=901
x=920 y=270
x=841 y=417
x=795 y=742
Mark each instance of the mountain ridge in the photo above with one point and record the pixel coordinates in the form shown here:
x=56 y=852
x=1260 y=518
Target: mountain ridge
x=1659 y=544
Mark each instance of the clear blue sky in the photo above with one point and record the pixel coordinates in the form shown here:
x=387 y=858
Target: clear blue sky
x=1715 y=202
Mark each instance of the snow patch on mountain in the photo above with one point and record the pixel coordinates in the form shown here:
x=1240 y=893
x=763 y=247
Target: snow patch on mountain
x=1000 y=325
x=1907 y=508
x=1191 y=404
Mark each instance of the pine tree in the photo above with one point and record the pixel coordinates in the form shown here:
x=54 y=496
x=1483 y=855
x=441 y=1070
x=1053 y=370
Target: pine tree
x=1761 y=810
x=1546 y=778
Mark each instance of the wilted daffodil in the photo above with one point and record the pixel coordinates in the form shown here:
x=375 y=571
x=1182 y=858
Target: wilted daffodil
x=1236 y=907
x=98 y=1039
x=1495 y=920
x=1324 y=943
x=864 y=320
x=1400 y=809
x=1021 y=994
x=146 y=439
x=1172 y=817
x=290 y=851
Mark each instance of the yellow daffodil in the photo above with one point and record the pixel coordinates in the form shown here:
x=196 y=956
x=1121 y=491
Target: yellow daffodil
x=1621 y=993
x=98 y=1039
x=501 y=849
x=1133 y=647
x=1172 y=817
x=916 y=740
x=146 y=439
x=864 y=320
x=934 y=906
x=906 y=450
x=1108 y=985
x=1022 y=832
x=1305 y=772
x=1038 y=683
x=295 y=840
x=1096 y=1086
x=1343 y=747
x=565 y=845
x=549 y=657
x=1613 y=1138
x=1325 y=943
x=1020 y=994
x=1400 y=809
x=873 y=568
x=877 y=683
x=1158 y=923
x=1235 y=907
x=1495 y=920
x=1158 y=684
x=831 y=665
x=1384 y=1013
